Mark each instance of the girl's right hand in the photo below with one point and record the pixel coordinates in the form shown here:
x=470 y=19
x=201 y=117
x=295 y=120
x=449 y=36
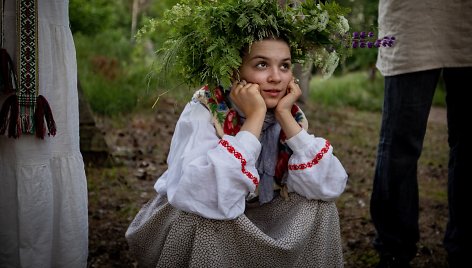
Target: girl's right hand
x=248 y=99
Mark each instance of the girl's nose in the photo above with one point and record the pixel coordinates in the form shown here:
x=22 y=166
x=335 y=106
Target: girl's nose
x=274 y=75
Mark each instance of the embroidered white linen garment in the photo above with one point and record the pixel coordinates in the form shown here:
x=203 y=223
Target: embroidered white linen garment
x=205 y=178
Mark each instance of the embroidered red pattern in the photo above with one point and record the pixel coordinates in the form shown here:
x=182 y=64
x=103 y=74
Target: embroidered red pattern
x=238 y=155
x=313 y=162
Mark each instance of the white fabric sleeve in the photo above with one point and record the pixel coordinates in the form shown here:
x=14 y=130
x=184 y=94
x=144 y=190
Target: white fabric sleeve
x=314 y=172
x=208 y=176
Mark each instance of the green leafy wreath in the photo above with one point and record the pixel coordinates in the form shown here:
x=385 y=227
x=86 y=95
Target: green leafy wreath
x=206 y=36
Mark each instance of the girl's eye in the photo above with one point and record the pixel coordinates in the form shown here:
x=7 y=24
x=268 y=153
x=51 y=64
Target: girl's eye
x=286 y=66
x=261 y=65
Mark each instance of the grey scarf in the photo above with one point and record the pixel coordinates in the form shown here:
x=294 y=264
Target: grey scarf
x=268 y=157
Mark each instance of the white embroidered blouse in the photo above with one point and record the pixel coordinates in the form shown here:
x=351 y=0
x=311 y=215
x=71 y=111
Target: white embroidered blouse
x=211 y=177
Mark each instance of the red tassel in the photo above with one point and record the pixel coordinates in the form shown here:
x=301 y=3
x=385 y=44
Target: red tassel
x=9 y=117
x=42 y=112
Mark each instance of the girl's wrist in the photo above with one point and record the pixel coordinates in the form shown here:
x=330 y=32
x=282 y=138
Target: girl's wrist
x=281 y=114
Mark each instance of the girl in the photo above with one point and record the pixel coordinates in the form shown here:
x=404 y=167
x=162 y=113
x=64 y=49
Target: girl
x=204 y=214
x=247 y=185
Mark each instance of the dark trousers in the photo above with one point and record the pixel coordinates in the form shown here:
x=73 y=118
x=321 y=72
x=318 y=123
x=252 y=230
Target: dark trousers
x=394 y=200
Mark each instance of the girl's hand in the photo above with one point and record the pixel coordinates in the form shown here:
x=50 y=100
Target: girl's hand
x=248 y=98
x=283 y=112
x=285 y=104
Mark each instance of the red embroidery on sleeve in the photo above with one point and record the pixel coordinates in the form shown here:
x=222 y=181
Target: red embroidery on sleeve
x=313 y=162
x=238 y=155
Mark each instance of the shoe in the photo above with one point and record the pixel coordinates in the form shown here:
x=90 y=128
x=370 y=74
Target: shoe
x=392 y=262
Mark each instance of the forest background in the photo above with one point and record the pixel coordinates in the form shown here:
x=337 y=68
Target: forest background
x=136 y=113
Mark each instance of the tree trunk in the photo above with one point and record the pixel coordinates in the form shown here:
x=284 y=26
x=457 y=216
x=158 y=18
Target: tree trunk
x=304 y=76
x=134 y=18
x=93 y=146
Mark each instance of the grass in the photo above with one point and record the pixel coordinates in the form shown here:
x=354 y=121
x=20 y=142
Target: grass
x=352 y=89
x=359 y=90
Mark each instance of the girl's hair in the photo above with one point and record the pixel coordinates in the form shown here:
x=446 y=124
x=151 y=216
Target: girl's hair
x=246 y=49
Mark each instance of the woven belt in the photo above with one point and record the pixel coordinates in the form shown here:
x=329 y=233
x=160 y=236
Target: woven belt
x=24 y=111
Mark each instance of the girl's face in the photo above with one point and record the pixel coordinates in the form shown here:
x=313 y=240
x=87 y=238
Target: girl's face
x=268 y=64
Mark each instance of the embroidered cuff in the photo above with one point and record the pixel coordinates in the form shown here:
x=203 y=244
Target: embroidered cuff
x=241 y=158
x=252 y=146
x=300 y=141
x=313 y=162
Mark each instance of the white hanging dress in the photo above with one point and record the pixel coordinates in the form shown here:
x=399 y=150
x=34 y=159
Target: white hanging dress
x=43 y=189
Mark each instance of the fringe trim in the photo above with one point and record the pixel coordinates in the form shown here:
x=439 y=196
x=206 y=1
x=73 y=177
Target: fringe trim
x=43 y=113
x=9 y=117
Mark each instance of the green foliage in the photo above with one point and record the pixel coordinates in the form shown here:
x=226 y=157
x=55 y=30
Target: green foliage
x=363 y=17
x=148 y=29
x=124 y=82
x=362 y=59
x=205 y=38
x=112 y=80
x=91 y=17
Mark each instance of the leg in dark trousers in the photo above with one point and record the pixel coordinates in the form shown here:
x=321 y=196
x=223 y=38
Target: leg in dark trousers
x=394 y=200
x=458 y=237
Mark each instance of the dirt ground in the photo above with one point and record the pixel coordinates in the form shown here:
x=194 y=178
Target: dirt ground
x=139 y=145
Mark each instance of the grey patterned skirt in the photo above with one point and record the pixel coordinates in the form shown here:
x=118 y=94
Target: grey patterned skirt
x=293 y=233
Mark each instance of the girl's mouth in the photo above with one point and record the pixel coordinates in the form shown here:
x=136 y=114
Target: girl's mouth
x=272 y=92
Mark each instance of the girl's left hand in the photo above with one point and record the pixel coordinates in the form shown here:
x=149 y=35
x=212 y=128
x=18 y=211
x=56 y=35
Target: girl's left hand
x=293 y=93
x=283 y=111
